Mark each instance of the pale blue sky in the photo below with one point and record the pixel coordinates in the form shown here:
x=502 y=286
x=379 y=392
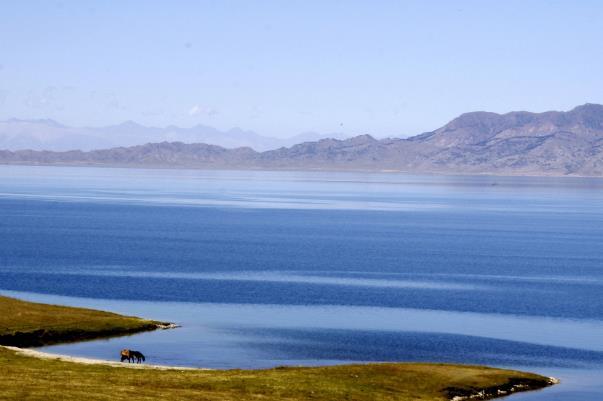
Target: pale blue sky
x=387 y=68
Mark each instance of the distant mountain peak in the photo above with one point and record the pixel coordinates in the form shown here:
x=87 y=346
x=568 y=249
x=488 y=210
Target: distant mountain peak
x=364 y=138
x=589 y=114
x=130 y=124
x=589 y=107
x=474 y=118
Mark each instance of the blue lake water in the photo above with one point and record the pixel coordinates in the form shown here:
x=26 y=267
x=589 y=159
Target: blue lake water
x=274 y=268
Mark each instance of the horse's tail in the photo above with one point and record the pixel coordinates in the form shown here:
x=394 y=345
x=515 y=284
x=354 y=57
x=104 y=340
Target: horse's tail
x=142 y=357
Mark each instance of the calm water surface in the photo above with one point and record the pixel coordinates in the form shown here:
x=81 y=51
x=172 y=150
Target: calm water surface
x=273 y=268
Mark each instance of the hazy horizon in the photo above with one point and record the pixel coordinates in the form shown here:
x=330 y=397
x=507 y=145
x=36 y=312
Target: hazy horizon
x=396 y=69
x=130 y=121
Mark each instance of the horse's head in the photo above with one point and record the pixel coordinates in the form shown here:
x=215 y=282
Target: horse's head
x=125 y=354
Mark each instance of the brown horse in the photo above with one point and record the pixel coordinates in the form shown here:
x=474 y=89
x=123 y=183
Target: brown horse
x=131 y=355
x=126 y=354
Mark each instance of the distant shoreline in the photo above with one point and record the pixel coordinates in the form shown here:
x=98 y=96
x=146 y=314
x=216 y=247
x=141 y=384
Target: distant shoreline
x=450 y=173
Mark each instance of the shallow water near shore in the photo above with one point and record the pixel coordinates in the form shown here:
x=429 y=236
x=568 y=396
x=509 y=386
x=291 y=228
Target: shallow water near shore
x=261 y=336
x=273 y=268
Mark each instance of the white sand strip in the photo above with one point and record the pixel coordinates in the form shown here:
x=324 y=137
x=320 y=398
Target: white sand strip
x=90 y=361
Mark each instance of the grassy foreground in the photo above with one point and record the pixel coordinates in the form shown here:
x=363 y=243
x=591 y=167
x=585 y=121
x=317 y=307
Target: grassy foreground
x=28 y=324
x=24 y=377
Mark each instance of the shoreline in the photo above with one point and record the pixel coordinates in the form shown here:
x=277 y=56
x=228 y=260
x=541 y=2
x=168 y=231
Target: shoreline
x=92 y=361
x=29 y=324
x=456 y=382
x=42 y=337
x=454 y=394
x=442 y=173
x=514 y=386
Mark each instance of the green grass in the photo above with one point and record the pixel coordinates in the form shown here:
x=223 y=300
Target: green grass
x=26 y=324
x=28 y=378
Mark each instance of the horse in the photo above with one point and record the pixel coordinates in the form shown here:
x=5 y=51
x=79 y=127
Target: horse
x=126 y=354
x=131 y=355
x=138 y=355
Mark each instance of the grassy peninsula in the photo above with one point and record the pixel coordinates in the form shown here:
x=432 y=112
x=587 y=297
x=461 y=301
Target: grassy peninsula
x=30 y=324
x=24 y=377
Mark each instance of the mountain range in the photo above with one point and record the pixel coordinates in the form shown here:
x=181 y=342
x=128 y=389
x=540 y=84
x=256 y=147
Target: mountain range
x=46 y=134
x=516 y=143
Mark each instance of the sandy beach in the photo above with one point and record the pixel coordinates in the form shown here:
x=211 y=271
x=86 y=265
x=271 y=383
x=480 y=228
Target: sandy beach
x=91 y=361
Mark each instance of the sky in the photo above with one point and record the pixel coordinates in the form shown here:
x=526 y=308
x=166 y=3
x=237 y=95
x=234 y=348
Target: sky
x=385 y=68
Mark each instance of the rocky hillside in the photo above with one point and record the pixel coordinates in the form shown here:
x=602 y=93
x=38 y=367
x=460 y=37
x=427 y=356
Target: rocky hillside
x=518 y=143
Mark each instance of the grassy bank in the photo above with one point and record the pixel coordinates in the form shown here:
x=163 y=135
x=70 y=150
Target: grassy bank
x=29 y=324
x=25 y=377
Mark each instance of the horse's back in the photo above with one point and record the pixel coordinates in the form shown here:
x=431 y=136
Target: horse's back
x=138 y=355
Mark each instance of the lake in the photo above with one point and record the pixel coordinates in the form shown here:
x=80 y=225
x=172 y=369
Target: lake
x=276 y=268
